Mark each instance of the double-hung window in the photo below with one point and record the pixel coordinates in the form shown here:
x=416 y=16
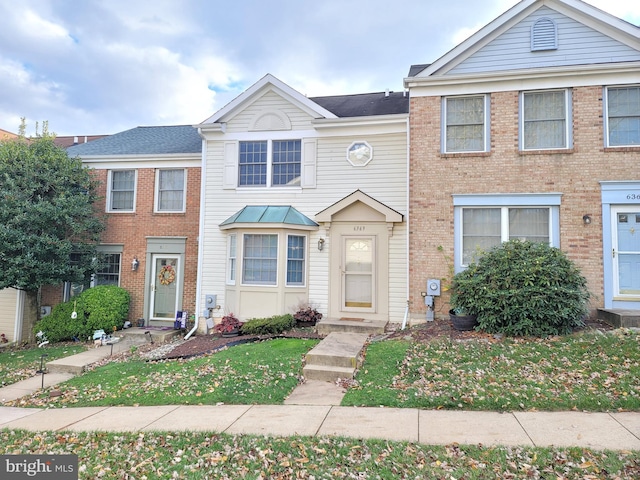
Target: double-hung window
x=109 y=271
x=623 y=116
x=545 y=120
x=465 y=124
x=296 y=260
x=482 y=222
x=269 y=163
x=260 y=259
x=170 y=190
x=121 y=190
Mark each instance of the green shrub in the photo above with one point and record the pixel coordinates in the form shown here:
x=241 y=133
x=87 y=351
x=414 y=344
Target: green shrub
x=268 y=326
x=59 y=325
x=105 y=306
x=99 y=308
x=522 y=288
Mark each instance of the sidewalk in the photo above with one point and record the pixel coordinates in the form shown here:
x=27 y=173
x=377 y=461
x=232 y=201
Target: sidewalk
x=616 y=431
x=313 y=410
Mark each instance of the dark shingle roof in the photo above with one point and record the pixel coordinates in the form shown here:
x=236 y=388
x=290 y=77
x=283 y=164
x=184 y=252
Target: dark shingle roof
x=143 y=141
x=365 y=104
x=416 y=69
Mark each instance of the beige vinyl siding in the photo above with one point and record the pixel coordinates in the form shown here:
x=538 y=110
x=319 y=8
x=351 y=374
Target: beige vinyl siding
x=384 y=179
x=8 y=304
x=300 y=120
x=578 y=44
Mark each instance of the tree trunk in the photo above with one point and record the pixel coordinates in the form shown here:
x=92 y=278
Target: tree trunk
x=30 y=315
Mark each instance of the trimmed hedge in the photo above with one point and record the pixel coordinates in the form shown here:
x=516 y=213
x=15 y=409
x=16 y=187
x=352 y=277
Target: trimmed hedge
x=268 y=326
x=100 y=308
x=523 y=288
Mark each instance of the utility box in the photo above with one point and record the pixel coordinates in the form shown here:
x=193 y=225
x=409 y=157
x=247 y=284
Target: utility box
x=433 y=287
x=210 y=301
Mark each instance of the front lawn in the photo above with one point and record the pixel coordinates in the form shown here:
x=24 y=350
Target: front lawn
x=21 y=363
x=253 y=373
x=592 y=372
x=202 y=455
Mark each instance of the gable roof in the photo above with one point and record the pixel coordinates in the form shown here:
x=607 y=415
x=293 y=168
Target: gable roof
x=389 y=213
x=605 y=23
x=326 y=107
x=162 y=140
x=265 y=84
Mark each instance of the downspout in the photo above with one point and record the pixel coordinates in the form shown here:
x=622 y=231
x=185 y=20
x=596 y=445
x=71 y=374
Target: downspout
x=406 y=312
x=203 y=183
x=18 y=320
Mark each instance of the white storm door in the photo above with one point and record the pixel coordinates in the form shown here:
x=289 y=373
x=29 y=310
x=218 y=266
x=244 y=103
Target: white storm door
x=164 y=287
x=626 y=251
x=358 y=274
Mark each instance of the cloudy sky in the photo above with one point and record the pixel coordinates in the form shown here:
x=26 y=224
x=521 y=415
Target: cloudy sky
x=103 y=66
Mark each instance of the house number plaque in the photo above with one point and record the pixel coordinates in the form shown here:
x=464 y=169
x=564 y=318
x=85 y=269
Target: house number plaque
x=359 y=228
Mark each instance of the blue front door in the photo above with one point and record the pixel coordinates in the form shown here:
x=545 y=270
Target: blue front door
x=626 y=253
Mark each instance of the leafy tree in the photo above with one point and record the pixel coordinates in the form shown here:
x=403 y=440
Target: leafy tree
x=48 y=226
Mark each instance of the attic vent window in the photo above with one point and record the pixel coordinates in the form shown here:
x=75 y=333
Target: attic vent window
x=544 y=35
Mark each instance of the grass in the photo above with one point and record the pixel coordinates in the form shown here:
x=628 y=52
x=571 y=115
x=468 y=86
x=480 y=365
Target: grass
x=256 y=373
x=19 y=364
x=202 y=455
x=590 y=372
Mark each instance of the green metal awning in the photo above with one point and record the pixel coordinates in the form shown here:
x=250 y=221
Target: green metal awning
x=262 y=216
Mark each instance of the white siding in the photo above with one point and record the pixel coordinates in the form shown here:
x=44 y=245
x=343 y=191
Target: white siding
x=8 y=303
x=578 y=44
x=270 y=101
x=384 y=178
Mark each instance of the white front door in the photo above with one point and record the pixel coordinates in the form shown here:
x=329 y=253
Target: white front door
x=626 y=251
x=164 y=287
x=358 y=274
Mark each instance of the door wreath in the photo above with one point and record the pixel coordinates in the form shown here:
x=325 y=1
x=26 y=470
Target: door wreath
x=167 y=275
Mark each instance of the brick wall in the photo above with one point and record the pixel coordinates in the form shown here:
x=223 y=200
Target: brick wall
x=132 y=230
x=574 y=173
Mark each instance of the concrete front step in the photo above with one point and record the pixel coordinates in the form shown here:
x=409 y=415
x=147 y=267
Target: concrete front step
x=337 y=356
x=326 y=373
x=619 y=317
x=351 y=325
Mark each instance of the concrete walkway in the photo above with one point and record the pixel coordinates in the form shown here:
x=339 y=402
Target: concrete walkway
x=313 y=409
x=612 y=431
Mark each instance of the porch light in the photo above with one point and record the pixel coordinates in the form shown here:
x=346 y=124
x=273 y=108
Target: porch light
x=586 y=219
x=134 y=264
x=321 y=244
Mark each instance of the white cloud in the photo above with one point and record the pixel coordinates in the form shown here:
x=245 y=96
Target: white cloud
x=101 y=67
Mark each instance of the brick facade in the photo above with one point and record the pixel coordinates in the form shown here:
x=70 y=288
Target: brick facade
x=132 y=230
x=574 y=173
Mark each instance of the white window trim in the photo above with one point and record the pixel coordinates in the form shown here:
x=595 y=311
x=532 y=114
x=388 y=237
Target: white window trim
x=269 y=174
x=156 y=203
x=241 y=258
x=232 y=274
x=568 y=111
x=605 y=116
x=486 y=124
x=504 y=201
x=304 y=261
x=135 y=190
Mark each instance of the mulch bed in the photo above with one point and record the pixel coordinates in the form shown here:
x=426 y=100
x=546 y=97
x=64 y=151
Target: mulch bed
x=202 y=344
x=440 y=328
